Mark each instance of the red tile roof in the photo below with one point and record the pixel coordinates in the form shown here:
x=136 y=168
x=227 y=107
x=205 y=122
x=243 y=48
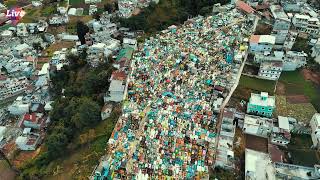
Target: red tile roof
x=244 y=7
x=30 y=117
x=254 y=38
x=118 y=75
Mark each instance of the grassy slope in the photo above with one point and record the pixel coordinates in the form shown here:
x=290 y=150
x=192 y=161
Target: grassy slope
x=296 y=84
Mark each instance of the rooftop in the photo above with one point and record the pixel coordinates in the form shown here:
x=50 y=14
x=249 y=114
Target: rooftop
x=257 y=100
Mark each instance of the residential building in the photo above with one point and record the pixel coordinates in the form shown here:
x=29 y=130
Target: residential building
x=21 y=49
x=96 y=54
x=262 y=43
x=258 y=166
x=92 y=9
x=290 y=40
x=60 y=57
x=19 y=107
x=92 y=1
x=28 y=142
x=244 y=7
x=115 y=92
x=13 y=87
x=49 y=38
x=270 y=70
x=127 y=42
x=33 y=120
x=281 y=25
x=315 y=130
x=22 y=30
x=277 y=132
x=261 y=104
x=225 y=154
x=291 y=60
x=261 y=166
x=59 y=20
x=258 y=126
x=316 y=51
x=307 y=24
x=106 y=111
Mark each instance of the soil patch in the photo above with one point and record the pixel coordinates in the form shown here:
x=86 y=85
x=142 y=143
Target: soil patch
x=297 y=99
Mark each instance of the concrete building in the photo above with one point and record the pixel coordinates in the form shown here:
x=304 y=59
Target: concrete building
x=22 y=30
x=115 y=92
x=307 y=24
x=270 y=70
x=225 y=154
x=106 y=111
x=316 y=51
x=315 y=130
x=33 y=120
x=13 y=87
x=28 y=142
x=281 y=25
x=260 y=166
x=261 y=104
x=258 y=126
x=262 y=43
x=291 y=60
x=19 y=107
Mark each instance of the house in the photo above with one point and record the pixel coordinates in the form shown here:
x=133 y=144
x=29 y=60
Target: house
x=316 y=51
x=6 y=34
x=115 y=92
x=278 y=132
x=49 y=38
x=19 y=107
x=262 y=43
x=307 y=24
x=21 y=49
x=92 y=9
x=270 y=70
x=92 y=1
x=127 y=42
x=315 y=130
x=258 y=126
x=22 y=30
x=246 y=8
x=106 y=111
x=59 y=57
x=34 y=120
x=13 y=87
x=28 y=142
x=59 y=20
x=225 y=154
x=261 y=166
x=261 y=104
x=96 y=54
x=258 y=166
x=291 y=60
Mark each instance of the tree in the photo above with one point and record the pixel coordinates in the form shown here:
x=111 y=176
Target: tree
x=108 y=7
x=82 y=30
x=88 y=113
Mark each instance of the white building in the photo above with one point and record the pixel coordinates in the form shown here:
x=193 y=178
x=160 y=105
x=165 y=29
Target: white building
x=28 y=142
x=262 y=43
x=258 y=166
x=127 y=42
x=307 y=24
x=316 y=51
x=270 y=70
x=115 y=92
x=92 y=9
x=225 y=154
x=281 y=24
x=59 y=57
x=19 y=107
x=315 y=130
x=22 y=30
x=258 y=126
x=106 y=111
x=291 y=60
x=96 y=54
